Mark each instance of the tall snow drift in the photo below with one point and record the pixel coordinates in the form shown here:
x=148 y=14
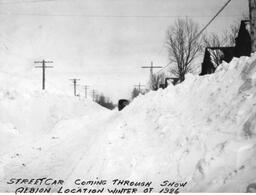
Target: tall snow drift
x=27 y=111
x=202 y=131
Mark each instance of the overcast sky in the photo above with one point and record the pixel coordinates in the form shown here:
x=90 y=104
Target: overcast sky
x=102 y=42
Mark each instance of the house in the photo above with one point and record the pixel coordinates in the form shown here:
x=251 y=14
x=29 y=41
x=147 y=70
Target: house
x=243 y=40
x=214 y=56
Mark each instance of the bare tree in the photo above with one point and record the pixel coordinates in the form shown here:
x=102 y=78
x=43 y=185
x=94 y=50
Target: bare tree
x=183 y=46
x=214 y=40
x=231 y=34
x=104 y=101
x=135 y=93
x=156 y=80
x=225 y=39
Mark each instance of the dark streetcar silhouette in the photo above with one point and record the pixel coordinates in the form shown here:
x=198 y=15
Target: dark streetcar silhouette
x=122 y=103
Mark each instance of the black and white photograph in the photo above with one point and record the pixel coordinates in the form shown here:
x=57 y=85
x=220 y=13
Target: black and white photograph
x=127 y=96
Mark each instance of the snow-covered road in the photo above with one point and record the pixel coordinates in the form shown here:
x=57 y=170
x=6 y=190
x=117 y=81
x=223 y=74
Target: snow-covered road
x=56 y=154
x=201 y=132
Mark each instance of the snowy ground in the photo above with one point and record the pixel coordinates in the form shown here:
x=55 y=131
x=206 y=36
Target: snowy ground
x=202 y=131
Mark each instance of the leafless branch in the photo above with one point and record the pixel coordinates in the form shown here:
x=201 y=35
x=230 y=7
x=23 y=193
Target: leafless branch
x=182 y=46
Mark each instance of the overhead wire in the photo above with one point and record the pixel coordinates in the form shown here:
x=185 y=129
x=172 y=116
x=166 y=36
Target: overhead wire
x=110 y=16
x=20 y=2
x=203 y=29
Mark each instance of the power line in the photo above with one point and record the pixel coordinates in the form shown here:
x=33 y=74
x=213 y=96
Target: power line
x=19 y=2
x=222 y=8
x=163 y=67
x=112 y=16
x=151 y=67
x=213 y=18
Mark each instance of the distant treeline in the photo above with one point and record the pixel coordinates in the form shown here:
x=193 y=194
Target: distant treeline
x=104 y=101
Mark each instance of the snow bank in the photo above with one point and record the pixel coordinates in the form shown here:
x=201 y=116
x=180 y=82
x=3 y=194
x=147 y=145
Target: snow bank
x=27 y=113
x=30 y=119
x=202 y=131
x=33 y=111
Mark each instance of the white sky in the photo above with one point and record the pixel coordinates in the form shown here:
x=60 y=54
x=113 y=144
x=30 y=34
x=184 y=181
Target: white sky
x=89 y=40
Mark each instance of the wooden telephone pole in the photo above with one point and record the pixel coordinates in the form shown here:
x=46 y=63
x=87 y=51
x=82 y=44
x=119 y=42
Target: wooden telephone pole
x=43 y=70
x=85 y=90
x=139 y=86
x=151 y=72
x=151 y=68
x=93 y=95
x=75 y=84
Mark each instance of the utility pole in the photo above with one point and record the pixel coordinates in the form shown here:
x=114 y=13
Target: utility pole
x=139 y=86
x=151 y=72
x=93 y=95
x=85 y=90
x=252 y=13
x=43 y=70
x=151 y=68
x=74 y=84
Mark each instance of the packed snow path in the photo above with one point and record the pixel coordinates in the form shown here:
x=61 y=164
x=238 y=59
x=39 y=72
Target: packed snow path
x=56 y=154
x=202 y=131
